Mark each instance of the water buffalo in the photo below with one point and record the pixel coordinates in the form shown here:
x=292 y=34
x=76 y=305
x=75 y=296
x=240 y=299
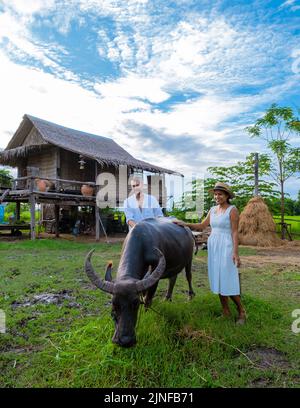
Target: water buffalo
x=154 y=249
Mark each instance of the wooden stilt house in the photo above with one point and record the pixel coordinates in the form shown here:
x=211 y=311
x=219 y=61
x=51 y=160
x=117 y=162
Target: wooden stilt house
x=66 y=159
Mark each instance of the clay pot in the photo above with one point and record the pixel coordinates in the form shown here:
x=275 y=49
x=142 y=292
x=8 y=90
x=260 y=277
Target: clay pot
x=87 y=190
x=41 y=185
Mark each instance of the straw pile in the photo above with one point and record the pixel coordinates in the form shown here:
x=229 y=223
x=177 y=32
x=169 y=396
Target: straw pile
x=256 y=226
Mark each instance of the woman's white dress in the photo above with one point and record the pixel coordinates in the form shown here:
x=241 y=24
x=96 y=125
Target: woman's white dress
x=222 y=273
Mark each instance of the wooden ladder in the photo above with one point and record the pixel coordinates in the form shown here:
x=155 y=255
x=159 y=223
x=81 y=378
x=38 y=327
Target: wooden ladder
x=4 y=195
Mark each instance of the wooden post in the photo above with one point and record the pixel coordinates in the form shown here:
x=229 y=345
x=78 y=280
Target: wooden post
x=256 y=191
x=18 y=210
x=56 y=220
x=97 y=220
x=97 y=215
x=32 y=216
x=58 y=170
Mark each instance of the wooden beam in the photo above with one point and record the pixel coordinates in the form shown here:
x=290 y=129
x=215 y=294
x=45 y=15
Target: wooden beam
x=97 y=214
x=32 y=216
x=97 y=221
x=18 y=210
x=56 y=220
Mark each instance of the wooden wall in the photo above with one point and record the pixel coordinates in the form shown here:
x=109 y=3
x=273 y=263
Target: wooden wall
x=69 y=168
x=45 y=160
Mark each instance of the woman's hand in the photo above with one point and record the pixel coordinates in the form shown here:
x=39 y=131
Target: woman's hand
x=236 y=260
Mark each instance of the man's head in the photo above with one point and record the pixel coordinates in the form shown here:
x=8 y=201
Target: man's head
x=137 y=184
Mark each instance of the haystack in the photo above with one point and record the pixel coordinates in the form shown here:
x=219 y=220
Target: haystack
x=256 y=226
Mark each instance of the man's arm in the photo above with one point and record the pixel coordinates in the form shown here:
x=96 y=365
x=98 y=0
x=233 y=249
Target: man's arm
x=157 y=211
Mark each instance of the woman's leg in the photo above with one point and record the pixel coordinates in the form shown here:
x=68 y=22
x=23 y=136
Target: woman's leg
x=241 y=311
x=225 y=306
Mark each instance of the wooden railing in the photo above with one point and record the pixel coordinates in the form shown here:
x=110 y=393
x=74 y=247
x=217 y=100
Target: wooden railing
x=28 y=183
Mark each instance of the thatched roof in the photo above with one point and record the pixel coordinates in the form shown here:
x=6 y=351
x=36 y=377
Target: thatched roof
x=102 y=149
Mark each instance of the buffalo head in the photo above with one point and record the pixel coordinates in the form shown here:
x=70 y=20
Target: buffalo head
x=126 y=293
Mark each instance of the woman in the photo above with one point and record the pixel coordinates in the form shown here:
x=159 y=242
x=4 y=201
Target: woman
x=223 y=257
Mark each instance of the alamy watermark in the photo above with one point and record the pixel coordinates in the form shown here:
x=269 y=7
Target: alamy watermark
x=113 y=189
x=2 y=322
x=296 y=323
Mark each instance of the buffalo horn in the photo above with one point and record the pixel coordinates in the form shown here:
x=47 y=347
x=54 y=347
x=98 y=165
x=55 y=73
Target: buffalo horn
x=95 y=279
x=147 y=282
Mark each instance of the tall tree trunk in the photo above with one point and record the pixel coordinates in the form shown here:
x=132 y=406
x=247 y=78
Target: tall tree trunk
x=282 y=209
x=256 y=175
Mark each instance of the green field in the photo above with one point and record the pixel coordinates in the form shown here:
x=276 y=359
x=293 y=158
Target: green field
x=180 y=344
x=294 y=220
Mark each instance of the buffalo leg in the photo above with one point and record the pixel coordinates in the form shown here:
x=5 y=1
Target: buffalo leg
x=172 y=282
x=188 y=274
x=149 y=295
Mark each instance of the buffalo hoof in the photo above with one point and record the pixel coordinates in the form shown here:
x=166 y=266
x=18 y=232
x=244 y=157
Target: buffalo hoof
x=191 y=295
x=168 y=299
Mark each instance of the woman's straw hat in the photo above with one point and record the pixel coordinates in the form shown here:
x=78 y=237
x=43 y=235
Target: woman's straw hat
x=222 y=187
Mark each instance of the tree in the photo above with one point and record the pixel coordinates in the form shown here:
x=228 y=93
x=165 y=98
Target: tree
x=242 y=180
x=5 y=178
x=297 y=205
x=276 y=128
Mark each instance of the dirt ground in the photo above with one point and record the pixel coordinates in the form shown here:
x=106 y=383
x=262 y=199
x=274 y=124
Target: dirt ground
x=286 y=254
x=115 y=238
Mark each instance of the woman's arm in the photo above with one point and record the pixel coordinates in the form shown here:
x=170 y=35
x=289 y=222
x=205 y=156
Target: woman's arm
x=195 y=227
x=234 y=219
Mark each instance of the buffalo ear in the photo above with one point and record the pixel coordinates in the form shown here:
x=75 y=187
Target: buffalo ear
x=108 y=276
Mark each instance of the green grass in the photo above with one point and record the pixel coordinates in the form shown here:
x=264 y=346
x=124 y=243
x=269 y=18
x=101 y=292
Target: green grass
x=180 y=344
x=294 y=220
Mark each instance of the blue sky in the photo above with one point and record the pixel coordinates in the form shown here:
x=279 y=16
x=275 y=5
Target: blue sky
x=173 y=82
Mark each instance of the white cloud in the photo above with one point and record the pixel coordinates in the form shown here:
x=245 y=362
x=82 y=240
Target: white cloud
x=133 y=86
x=32 y=91
x=22 y=46
x=28 y=7
x=157 y=58
x=293 y=5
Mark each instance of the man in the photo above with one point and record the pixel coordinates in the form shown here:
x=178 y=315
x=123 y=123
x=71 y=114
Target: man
x=140 y=205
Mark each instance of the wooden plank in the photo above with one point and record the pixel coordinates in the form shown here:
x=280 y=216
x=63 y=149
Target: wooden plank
x=18 y=192
x=4 y=227
x=66 y=202
x=15 y=193
x=78 y=196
